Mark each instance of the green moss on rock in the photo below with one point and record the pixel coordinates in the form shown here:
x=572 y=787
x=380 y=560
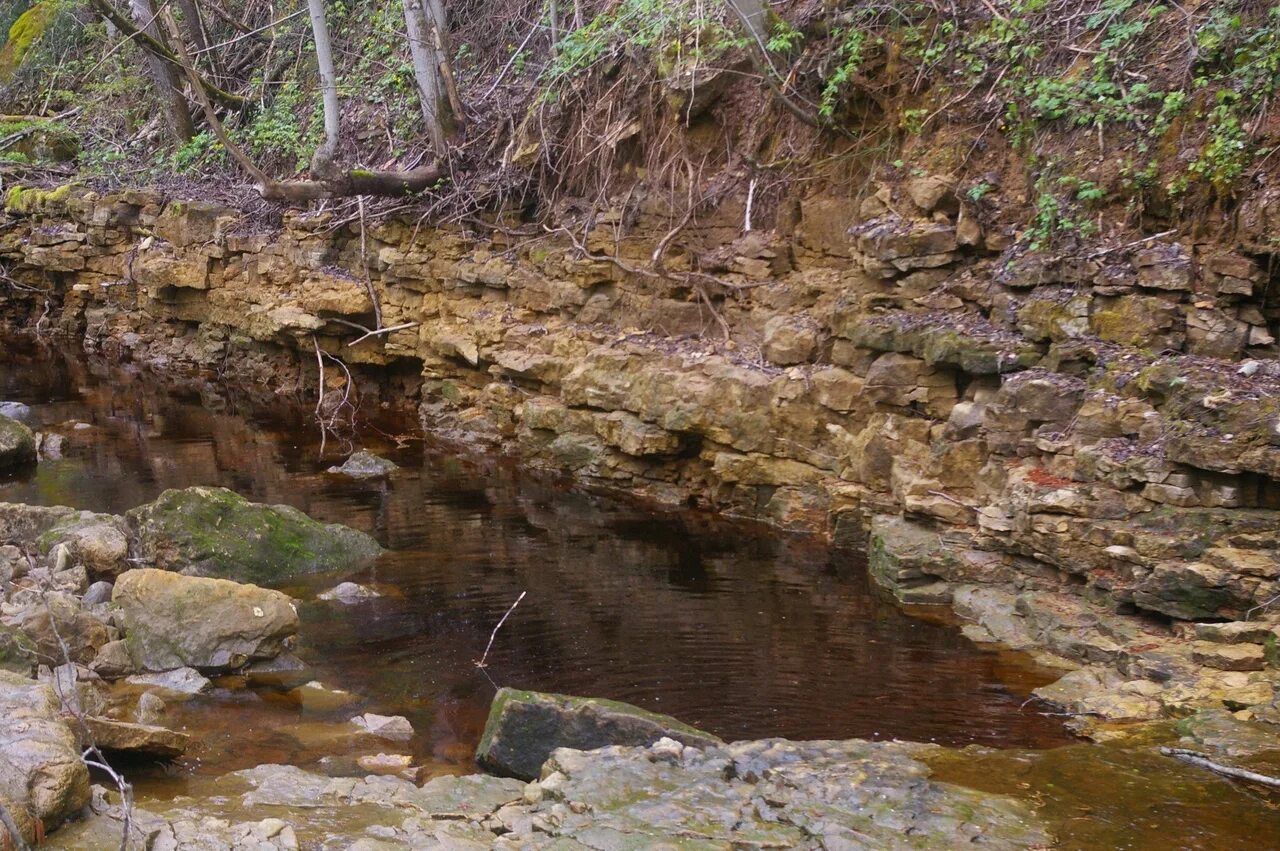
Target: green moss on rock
x=24 y=33
x=216 y=532
x=17 y=444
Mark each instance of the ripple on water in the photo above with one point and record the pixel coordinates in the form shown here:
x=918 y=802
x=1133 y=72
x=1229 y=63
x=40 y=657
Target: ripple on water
x=746 y=632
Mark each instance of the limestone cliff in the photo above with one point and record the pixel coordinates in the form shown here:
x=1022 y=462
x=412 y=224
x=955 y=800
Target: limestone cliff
x=1044 y=439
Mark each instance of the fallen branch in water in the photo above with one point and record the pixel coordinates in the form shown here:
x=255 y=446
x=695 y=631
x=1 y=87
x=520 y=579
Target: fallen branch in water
x=494 y=634
x=1202 y=761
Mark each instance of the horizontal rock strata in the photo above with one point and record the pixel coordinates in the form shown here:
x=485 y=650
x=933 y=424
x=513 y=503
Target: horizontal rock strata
x=1099 y=429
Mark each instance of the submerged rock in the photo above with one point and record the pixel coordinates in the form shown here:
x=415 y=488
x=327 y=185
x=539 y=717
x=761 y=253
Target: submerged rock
x=524 y=727
x=179 y=681
x=315 y=696
x=17 y=444
x=349 y=593
x=365 y=465
x=174 y=621
x=215 y=532
x=394 y=728
x=41 y=776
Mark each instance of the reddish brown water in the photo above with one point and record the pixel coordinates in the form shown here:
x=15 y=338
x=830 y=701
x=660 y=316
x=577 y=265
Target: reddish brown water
x=741 y=630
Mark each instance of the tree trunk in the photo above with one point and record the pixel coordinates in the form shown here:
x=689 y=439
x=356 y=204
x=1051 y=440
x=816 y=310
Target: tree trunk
x=193 y=25
x=440 y=18
x=164 y=77
x=322 y=162
x=160 y=50
x=426 y=71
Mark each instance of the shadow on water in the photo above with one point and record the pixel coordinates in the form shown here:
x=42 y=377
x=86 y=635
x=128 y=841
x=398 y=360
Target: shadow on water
x=741 y=630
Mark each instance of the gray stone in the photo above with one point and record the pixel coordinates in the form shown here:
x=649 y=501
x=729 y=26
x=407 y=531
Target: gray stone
x=394 y=728
x=179 y=681
x=349 y=593
x=524 y=727
x=365 y=465
x=16 y=411
x=98 y=592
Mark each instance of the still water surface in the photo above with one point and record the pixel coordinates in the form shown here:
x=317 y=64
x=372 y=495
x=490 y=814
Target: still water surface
x=740 y=630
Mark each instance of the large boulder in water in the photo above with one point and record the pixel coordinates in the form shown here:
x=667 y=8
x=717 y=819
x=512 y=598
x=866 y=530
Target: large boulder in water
x=205 y=531
x=42 y=778
x=524 y=727
x=17 y=444
x=174 y=621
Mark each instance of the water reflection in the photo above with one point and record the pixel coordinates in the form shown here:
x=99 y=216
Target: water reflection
x=743 y=631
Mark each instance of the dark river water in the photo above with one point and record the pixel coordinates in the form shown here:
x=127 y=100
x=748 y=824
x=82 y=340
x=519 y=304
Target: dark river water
x=739 y=629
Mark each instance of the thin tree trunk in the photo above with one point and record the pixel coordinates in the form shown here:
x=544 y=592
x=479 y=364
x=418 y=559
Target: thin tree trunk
x=322 y=162
x=426 y=72
x=457 y=116
x=336 y=183
x=193 y=25
x=164 y=77
x=553 y=16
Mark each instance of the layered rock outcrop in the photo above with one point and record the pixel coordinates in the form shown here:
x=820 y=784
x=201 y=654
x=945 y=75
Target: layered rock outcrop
x=1095 y=429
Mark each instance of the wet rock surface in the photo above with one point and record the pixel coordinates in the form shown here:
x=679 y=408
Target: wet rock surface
x=767 y=794
x=17 y=444
x=524 y=727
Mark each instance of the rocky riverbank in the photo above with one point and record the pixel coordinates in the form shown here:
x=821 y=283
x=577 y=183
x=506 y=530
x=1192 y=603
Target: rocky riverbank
x=996 y=417
x=110 y=621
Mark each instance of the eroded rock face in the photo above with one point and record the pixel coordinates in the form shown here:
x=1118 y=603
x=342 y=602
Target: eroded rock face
x=174 y=621
x=17 y=444
x=524 y=727
x=215 y=532
x=41 y=775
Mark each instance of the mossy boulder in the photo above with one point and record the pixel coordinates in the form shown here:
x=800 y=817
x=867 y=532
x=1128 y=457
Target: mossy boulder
x=203 y=531
x=17 y=444
x=524 y=727
x=17 y=652
x=30 y=200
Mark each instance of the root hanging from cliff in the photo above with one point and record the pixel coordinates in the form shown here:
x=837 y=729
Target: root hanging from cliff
x=334 y=416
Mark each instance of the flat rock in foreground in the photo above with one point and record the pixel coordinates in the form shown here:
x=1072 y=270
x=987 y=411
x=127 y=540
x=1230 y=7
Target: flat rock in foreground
x=175 y=621
x=206 y=531
x=524 y=727
x=767 y=794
